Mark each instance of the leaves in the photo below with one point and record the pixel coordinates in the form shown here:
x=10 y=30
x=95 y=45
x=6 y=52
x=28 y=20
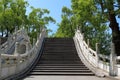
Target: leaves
x=88 y=18
x=13 y=14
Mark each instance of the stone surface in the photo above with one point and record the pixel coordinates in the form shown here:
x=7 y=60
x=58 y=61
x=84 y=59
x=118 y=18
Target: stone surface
x=66 y=78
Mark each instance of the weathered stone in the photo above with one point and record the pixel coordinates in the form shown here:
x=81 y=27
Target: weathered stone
x=113 y=68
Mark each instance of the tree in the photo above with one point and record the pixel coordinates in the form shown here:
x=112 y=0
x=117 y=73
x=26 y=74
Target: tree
x=13 y=15
x=4 y=8
x=92 y=24
x=37 y=20
x=66 y=26
x=86 y=16
x=111 y=9
x=19 y=9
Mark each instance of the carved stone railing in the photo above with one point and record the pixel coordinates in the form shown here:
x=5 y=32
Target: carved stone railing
x=85 y=53
x=17 y=36
x=90 y=57
x=118 y=65
x=13 y=65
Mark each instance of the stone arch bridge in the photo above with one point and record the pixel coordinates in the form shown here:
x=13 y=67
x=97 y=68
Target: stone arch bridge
x=54 y=56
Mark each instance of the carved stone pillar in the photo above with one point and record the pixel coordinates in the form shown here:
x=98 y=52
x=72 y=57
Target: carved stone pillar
x=97 y=53
x=0 y=41
x=113 y=68
x=0 y=48
x=88 y=42
x=37 y=36
x=27 y=47
x=0 y=63
x=16 y=53
x=33 y=41
x=16 y=48
x=9 y=40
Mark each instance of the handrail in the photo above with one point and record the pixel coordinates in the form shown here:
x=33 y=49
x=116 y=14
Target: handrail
x=88 y=55
x=12 y=65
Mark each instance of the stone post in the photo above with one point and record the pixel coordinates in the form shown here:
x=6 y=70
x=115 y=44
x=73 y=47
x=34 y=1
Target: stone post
x=27 y=47
x=37 y=36
x=82 y=36
x=0 y=63
x=15 y=34
x=0 y=49
x=113 y=67
x=16 y=48
x=77 y=28
x=33 y=41
x=88 y=42
x=9 y=40
x=97 y=53
x=0 y=41
x=17 y=56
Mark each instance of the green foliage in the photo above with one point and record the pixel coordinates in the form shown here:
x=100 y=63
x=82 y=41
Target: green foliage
x=111 y=10
x=66 y=26
x=37 y=20
x=13 y=15
x=86 y=16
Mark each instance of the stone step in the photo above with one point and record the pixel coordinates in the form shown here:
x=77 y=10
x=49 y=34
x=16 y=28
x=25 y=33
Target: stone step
x=58 y=53
x=59 y=42
x=60 y=50
x=61 y=66
x=63 y=70
x=60 y=62
x=62 y=73
x=80 y=65
x=60 y=57
x=58 y=39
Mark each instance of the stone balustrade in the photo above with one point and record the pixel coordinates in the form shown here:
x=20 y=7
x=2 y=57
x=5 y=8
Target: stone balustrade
x=15 y=64
x=91 y=57
x=17 y=36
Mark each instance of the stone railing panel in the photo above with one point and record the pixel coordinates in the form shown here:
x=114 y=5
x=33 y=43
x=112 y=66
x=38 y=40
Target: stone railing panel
x=18 y=63
x=17 y=36
x=89 y=56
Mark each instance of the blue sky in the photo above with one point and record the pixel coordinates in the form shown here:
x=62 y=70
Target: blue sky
x=54 y=6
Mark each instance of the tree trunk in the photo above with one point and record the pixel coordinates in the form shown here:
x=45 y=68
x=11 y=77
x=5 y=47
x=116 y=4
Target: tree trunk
x=115 y=33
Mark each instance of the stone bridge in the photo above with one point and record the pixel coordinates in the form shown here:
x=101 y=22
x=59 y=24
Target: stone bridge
x=19 y=59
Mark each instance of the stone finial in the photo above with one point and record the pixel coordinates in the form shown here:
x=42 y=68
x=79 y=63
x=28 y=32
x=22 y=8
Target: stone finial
x=0 y=49
x=0 y=41
x=97 y=53
x=88 y=42
x=9 y=39
x=16 y=48
x=0 y=63
x=27 y=46
x=37 y=36
x=97 y=48
x=33 y=41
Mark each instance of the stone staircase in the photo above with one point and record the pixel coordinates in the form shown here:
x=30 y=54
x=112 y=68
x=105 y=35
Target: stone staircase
x=60 y=57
